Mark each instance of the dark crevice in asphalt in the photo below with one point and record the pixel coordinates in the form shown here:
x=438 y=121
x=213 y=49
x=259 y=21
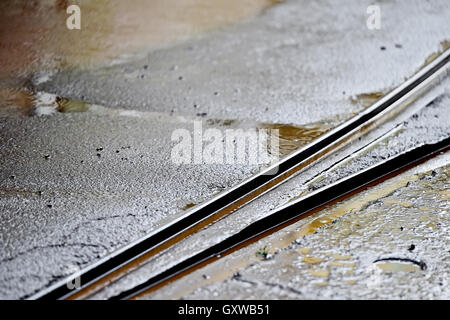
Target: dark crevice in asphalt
x=238 y=277
x=63 y=245
x=282 y=287
x=113 y=217
x=54 y=280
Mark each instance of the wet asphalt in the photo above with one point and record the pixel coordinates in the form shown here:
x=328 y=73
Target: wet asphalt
x=77 y=186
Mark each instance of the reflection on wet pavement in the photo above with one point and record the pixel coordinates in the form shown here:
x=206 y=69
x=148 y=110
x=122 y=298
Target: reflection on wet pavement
x=292 y=137
x=34 y=34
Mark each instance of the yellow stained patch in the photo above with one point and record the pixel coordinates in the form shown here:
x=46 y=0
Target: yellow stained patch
x=339 y=257
x=312 y=260
x=291 y=138
x=321 y=284
x=444 y=46
x=304 y=250
x=398 y=267
x=359 y=202
x=319 y=273
x=341 y=264
x=71 y=106
x=405 y=204
x=367 y=99
x=445 y=194
x=188 y=206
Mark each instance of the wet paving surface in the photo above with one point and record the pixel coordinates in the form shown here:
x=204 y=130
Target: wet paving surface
x=385 y=243
x=62 y=204
x=35 y=38
x=309 y=71
x=86 y=129
x=332 y=168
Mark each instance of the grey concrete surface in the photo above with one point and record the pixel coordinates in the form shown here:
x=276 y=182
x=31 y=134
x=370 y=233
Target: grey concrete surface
x=387 y=140
x=299 y=62
x=76 y=186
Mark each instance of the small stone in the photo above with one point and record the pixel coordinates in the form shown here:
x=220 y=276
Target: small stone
x=382 y=48
x=411 y=247
x=49 y=206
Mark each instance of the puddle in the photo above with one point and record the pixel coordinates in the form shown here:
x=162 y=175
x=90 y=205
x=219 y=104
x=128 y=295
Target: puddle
x=319 y=273
x=312 y=260
x=188 y=206
x=341 y=264
x=367 y=99
x=304 y=250
x=69 y=106
x=292 y=137
x=397 y=267
x=339 y=257
x=445 y=45
x=46 y=104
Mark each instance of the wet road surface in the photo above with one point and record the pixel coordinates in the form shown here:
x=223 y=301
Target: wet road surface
x=75 y=186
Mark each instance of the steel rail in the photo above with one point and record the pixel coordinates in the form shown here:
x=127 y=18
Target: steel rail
x=132 y=255
x=292 y=211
